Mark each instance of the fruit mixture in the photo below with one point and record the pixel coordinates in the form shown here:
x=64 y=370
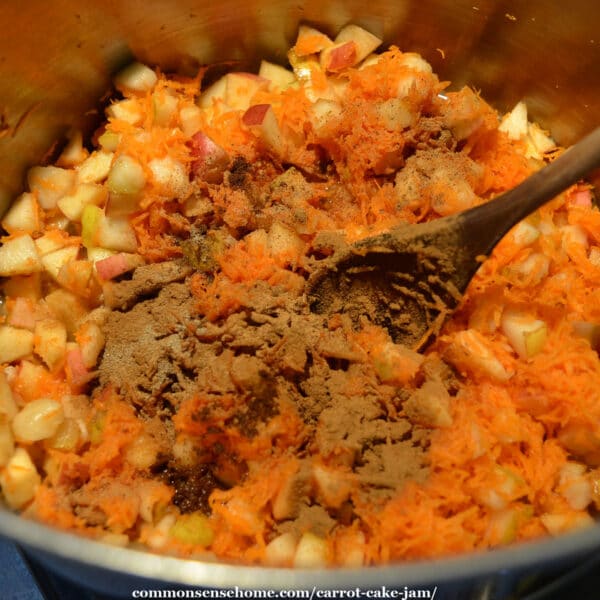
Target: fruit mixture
x=164 y=382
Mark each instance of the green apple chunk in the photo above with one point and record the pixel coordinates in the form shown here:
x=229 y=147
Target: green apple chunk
x=126 y=176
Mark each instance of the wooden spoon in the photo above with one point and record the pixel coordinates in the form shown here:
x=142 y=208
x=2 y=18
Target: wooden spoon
x=411 y=278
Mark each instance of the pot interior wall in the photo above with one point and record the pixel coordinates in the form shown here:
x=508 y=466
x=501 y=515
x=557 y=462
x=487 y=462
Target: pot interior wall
x=56 y=59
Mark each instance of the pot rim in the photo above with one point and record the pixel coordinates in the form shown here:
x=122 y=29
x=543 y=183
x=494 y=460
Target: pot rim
x=167 y=569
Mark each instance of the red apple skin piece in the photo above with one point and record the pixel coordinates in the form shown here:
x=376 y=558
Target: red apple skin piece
x=22 y=314
x=241 y=87
x=255 y=115
x=211 y=161
x=262 y=119
x=77 y=373
x=113 y=266
x=341 y=57
x=582 y=198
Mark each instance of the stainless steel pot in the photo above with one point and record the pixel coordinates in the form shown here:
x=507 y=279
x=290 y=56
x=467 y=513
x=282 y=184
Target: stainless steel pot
x=56 y=60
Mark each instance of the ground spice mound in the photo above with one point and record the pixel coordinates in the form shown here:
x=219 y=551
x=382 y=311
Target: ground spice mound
x=231 y=378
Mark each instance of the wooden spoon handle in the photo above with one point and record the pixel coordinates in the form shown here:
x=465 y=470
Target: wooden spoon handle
x=484 y=225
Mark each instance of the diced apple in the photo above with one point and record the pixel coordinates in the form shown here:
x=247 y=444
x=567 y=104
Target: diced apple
x=29 y=378
x=51 y=241
x=311 y=551
x=535 y=340
x=19 y=256
x=280 y=551
x=261 y=119
x=524 y=233
x=121 y=205
x=337 y=88
x=8 y=406
x=574 y=486
x=340 y=56
x=67 y=307
x=15 y=343
x=110 y=232
x=190 y=119
x=280 y=77
x=413 y=80
x=463 y=113
x=311 y=41
x=365 y=42
x=74 y=152
x=115 y=233
x=75 y=276
x=21 y=313
x=77 y=373
x=165 y=106
x=416 y=62
x=558 y=524
x=91 y=341
x=54 y=261
x=371 y=60
x=284 y=244
x=95 y=168
x=503 y=526
x=572 y=237
x=95 y=254
x=19 y=479
x=322 y=112
x=50 y=184
x=109 y=140
x=334 y=486
x=126 y=176
x=23 y=214
x=91 y=217
x=355 y=551
x=24 y=286
x=128 y=110
x=241 y=87
x=170 y=176
x=117 y=264
x=213 y=94
x=469 y=351
x=309 y=72
x=67 y=437
x=395 y=114
x=136 y=77
x=396 y=364
x=193 y=528
x=73 y=204
x=525 y=334
x=38 y=420
x=533 y=268
x=50 y=342
x=197 y=206
x=7 y=442
x=514 y=124
x=429 y=405
x=582 y=198
x=538 y=142
x=210 y=160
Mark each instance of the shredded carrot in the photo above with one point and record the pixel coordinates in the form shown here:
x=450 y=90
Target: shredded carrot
x=510 y=434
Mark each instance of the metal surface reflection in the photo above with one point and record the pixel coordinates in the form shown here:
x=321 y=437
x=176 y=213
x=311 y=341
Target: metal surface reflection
x=56 y=58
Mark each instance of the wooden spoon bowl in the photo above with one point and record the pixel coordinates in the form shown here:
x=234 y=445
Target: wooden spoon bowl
x=410 y=279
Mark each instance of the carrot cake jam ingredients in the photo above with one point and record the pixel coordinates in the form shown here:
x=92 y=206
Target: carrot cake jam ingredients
x=164 y=381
